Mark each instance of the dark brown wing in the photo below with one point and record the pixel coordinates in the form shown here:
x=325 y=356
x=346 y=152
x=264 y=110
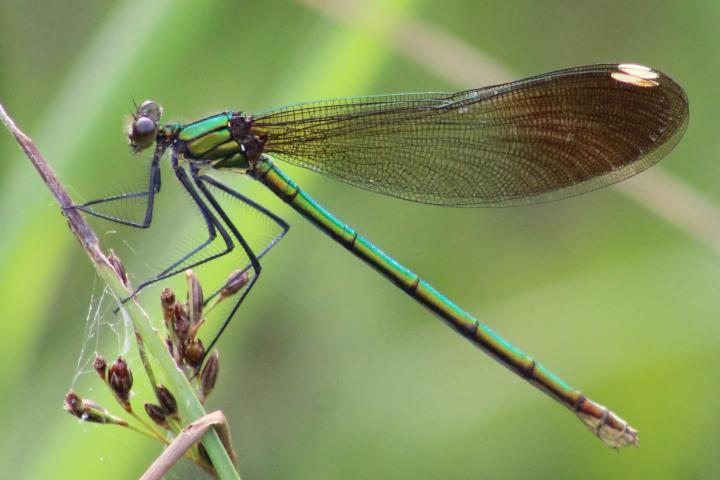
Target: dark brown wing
x=534 y=140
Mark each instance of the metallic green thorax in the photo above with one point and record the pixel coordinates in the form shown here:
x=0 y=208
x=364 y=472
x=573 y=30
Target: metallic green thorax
x=212 y=140
x=591 y=413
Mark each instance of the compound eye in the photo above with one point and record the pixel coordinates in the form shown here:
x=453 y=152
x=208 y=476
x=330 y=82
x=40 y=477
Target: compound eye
x=150 y=109
x=143 y=133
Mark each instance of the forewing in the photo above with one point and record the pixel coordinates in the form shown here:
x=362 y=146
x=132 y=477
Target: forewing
x=534 y=140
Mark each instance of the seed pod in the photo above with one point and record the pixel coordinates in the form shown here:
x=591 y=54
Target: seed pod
x=73 y=404
x=209 y=374
x=100 y=366
x=236 y=281
x=167 y=401
x=181 y=322
x=195 y=298
x=89 y=411
x=167 y=301
x=194 y=353
x=156 y=414
x=120 y=380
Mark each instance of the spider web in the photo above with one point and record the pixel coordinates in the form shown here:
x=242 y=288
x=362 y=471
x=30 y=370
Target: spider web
x=105 y=332
x=111 y=334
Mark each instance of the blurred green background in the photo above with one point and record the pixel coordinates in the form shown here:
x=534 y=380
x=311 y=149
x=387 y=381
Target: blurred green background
x=328 y=371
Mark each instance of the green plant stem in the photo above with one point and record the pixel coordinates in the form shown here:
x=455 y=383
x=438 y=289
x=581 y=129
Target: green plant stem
x=150 y=435
x=190 y=407
x=148 y=367
x=150 y=428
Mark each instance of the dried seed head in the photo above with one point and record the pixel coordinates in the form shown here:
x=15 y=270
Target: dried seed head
x=156 y=414
x=167 y=401
x=181 y=322
x=194 y=353
x=89 y=411
x=117 y=265
x=121 y=381
x=209 y=373
x=235 y=282
x=195 y=298
x=73 y=404
x=167 y=298
x=167 y=301
x=100 y=366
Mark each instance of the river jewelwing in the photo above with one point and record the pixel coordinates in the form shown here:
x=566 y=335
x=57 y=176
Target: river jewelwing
x=543 y=138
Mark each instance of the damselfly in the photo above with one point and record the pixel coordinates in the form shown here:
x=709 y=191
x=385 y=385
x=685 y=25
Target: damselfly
x=543 y=138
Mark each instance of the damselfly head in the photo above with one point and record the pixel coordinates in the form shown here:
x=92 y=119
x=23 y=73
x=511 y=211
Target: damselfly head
x=144 y=126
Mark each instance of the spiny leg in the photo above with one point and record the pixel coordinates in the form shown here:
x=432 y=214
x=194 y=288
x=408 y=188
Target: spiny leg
x=257 y=207
x=213 y=226
x=153 y=188
x=254 y=260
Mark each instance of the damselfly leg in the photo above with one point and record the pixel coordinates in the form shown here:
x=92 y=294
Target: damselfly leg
x=217 y=222
x=202 y=182
x=149 y=194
